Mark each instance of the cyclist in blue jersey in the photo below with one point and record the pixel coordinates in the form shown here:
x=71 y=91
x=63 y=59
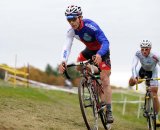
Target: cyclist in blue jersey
x=149 y=61
x=89 y=33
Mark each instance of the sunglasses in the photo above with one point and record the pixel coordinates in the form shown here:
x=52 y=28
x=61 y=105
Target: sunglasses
x=144 y=49
x=72 y=20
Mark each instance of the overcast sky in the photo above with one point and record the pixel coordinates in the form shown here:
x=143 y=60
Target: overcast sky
x=34 y=30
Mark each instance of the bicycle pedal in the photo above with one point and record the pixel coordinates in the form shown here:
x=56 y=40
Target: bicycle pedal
x=101 y=109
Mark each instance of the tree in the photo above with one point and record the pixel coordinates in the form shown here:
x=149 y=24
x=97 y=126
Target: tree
x=73 y=73
x=55 y=72
x=49 y=69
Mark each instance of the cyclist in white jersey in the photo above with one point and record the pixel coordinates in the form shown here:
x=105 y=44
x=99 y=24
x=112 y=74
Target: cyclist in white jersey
x=149 y=61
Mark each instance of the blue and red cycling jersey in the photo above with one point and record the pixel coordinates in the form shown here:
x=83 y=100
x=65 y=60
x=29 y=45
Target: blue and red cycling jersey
x=91 y=35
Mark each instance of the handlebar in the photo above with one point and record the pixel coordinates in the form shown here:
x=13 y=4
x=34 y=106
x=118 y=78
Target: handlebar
x=145 y=79
x=82 y=63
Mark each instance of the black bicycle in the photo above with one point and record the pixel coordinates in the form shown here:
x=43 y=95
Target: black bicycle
x=149 y=106
x=88 y=91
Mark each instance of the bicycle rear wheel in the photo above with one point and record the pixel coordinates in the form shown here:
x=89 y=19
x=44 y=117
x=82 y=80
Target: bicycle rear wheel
x=88 y=105
x=151 y=115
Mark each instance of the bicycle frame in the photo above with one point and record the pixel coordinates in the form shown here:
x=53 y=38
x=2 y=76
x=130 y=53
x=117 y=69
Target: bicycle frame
x=88 y=92
x=149 y=106
x=85 y=72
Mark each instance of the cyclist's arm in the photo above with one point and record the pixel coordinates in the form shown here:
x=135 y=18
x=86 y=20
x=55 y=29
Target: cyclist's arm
x=156 y=57
x=102 y=39
x=67 y=46
x=159 y=60
x=134 y=65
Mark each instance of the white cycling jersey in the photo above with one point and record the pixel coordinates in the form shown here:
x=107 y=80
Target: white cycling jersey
x=148 y=63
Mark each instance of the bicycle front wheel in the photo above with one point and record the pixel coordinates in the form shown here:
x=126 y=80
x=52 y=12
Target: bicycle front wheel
x=106 y=125
x=88 y=105
x=151 y=116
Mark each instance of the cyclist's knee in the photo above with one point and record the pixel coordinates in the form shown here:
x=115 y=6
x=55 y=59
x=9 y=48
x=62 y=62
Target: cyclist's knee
x=154 y=90
x=105 y=77
x=105 y=73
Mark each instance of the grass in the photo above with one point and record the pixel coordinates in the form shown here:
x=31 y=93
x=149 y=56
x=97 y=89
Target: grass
x=24 y=108
x=129 y=120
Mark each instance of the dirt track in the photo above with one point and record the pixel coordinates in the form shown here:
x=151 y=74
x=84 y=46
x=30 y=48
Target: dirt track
x=29 y=109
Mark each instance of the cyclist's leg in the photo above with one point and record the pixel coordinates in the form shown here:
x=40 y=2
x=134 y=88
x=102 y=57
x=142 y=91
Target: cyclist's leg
x=80 y=58
x=154 y=90
x=105 y=67
x=106 y=96
x=107 y=92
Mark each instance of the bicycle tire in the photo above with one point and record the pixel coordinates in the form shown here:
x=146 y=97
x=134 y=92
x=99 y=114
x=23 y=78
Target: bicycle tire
x=151 y=118
x=87 y=105
x=106 y=125
x=102 y=113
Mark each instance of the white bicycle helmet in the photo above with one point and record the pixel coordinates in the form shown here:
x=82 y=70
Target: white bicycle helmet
x=73 y=11
x=146 y=43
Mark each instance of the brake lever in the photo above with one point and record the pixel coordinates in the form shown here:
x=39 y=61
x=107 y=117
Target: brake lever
x=65 y=72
